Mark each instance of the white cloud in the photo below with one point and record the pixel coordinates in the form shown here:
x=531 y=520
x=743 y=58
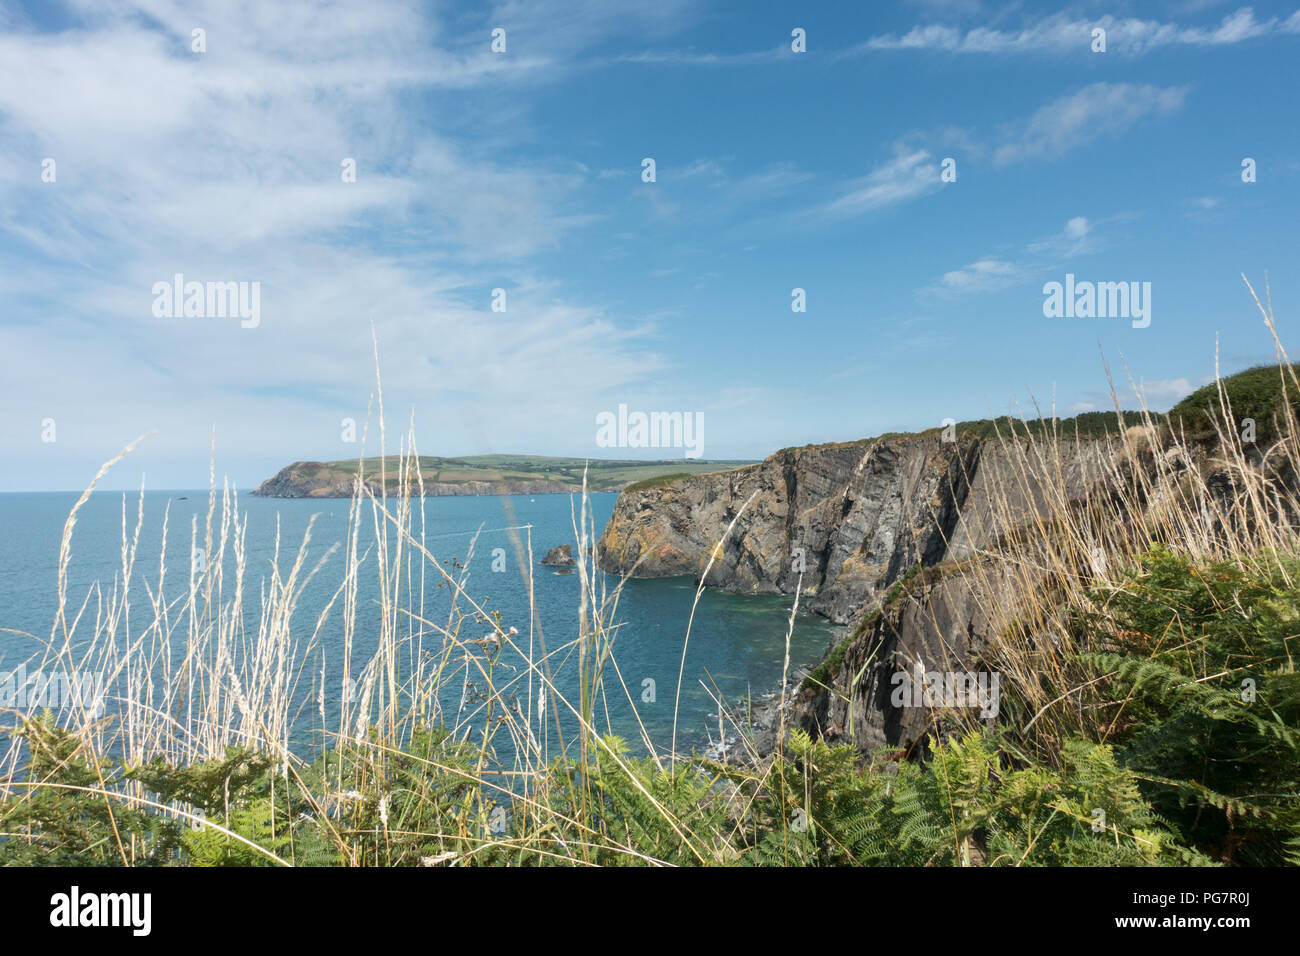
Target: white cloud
x=1159 y=395
x=911 y=173
x=1080 y=117
x=226 y=166
x=1166 y=391
x=982 y=276
x=1066 y=123
x=1061 y=33
x=1077 y=238
x=994 y=272
x=708 y=168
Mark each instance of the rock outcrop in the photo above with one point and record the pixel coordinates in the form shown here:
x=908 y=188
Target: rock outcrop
x=855 y=517
x=560 y=557
x=941 y=623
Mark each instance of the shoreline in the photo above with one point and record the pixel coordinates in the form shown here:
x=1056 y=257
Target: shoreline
x=761 y=722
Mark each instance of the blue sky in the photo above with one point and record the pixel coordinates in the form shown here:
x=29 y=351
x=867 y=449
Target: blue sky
x=522 y=170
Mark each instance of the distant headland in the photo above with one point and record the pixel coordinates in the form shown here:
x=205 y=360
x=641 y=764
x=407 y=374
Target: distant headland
x=479 y=475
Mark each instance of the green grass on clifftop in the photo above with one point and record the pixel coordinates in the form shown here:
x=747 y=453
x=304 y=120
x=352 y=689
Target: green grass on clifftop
x=658 y=481
x=1085 y=425
x=1255 y=393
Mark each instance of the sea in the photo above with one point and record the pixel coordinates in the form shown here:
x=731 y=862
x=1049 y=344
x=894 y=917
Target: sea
x=735 y=651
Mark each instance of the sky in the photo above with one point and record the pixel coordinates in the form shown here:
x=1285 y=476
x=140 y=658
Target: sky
x=226 y=156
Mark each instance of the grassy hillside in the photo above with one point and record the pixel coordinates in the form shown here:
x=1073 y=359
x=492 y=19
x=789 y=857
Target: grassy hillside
x=1085 y=425
x=1255 y=393
x=602 y=475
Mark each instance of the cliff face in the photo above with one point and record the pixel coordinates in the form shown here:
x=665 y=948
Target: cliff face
x=863 y=513
x=941 y=625
x=309 y=479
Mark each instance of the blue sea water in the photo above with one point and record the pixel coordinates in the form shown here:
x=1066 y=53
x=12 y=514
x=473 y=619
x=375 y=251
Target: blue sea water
x=736 y=642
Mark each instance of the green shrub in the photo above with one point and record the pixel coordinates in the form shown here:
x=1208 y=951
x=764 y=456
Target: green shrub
x=1206 y=701
x=68 y=814
x=975 y=803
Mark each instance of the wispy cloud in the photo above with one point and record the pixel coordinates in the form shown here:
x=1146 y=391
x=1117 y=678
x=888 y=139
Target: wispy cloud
x=1066 y=123
x=981 y=276
x=911 y=173
x=1078 y=237
x=767 y=184
x=1078 y=118
x=1062 y=33
x=1073 y=240
x=697 y=58
x=707 y=168
x=225 y=166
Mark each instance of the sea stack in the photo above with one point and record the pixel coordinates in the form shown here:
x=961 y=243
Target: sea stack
x=561 y=557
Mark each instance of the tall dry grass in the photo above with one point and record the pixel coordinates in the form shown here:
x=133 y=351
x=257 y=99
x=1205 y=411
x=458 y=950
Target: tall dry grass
x=192 y=672
x=1069 y=518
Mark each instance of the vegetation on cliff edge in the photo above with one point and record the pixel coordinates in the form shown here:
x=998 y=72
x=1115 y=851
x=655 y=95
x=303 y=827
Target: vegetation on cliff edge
x=1151 y=709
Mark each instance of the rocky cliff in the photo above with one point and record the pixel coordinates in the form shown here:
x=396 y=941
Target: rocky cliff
x=940 y=623
x=907 y=514
x=894 y=536
x=855 y=516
